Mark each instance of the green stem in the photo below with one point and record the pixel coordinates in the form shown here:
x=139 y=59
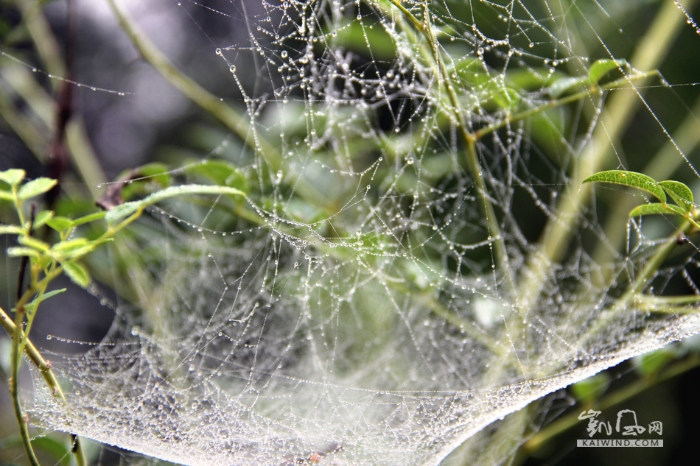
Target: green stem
x=46 y=371
x=40 y=32
x=661 y=167
x=472 y=157
x=567 y=422
x=621 y=105
x=236 y=122
x=22 y=422
x=225 y=114
x=575 y=97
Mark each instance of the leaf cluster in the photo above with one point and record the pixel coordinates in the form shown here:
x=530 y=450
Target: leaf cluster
x=679 y=192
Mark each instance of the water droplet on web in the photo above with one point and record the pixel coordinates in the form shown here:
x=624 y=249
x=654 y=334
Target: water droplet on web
x=48 y=337
x=232 y=68
x=218 y=51
x=284 y=54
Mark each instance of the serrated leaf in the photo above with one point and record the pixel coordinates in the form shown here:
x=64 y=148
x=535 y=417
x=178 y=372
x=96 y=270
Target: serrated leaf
x=602 y=67
x=656 y=208
x=679 y=192
x=59 y=223
x=77 y=273
x=633 y=179
x=10 y=230
x=42 y=217
x=33 y=243
x=13 y=176
x=35 y=187
x=20 y=252
x=124 y=210
x=563 y=85
x=31 y=306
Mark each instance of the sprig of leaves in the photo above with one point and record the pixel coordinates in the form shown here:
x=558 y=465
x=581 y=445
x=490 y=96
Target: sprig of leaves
x=48 y=261
x=680 y=193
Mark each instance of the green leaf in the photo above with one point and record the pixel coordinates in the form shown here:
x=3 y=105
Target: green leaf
x=35 y=187
x=124 y=210
x=602 y=67
x=89 y=218
x=10 y=230
x=656 y=208
x=59 y=224
x=219 y=172
x=505 y=97
x=19 y=252
x=563 y=85
x=633 y=179
x=651 y=363
x=42 y=217
x=77 y=273
x=70 y=244
x=592 y=388
x=33 y=243
x=679 y=192
x=81 y=251
x=13 y=176
x=6 y=196
x=32 y=305
x=134 y=182
x=156 y=172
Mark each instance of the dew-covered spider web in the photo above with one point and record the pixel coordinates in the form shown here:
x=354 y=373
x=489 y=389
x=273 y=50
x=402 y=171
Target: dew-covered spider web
x=416 y=256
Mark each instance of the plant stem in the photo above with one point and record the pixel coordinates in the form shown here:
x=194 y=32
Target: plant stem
x=40 y=32
x=22 y=422
x=567 y=422
x=229 y=117
x=472 y=157
x=557 y=233
x=236 y=122
x=661 y=167
x=575 y=97
x=46 y=372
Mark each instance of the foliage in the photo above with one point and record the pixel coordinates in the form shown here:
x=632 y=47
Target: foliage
x=425 y=209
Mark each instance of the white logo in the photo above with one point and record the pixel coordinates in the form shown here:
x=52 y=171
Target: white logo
x=626 y=424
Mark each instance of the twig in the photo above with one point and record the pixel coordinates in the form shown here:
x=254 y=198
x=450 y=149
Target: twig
x=17 y=334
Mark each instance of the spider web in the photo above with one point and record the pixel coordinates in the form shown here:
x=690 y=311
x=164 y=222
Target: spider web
x=363 y=305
